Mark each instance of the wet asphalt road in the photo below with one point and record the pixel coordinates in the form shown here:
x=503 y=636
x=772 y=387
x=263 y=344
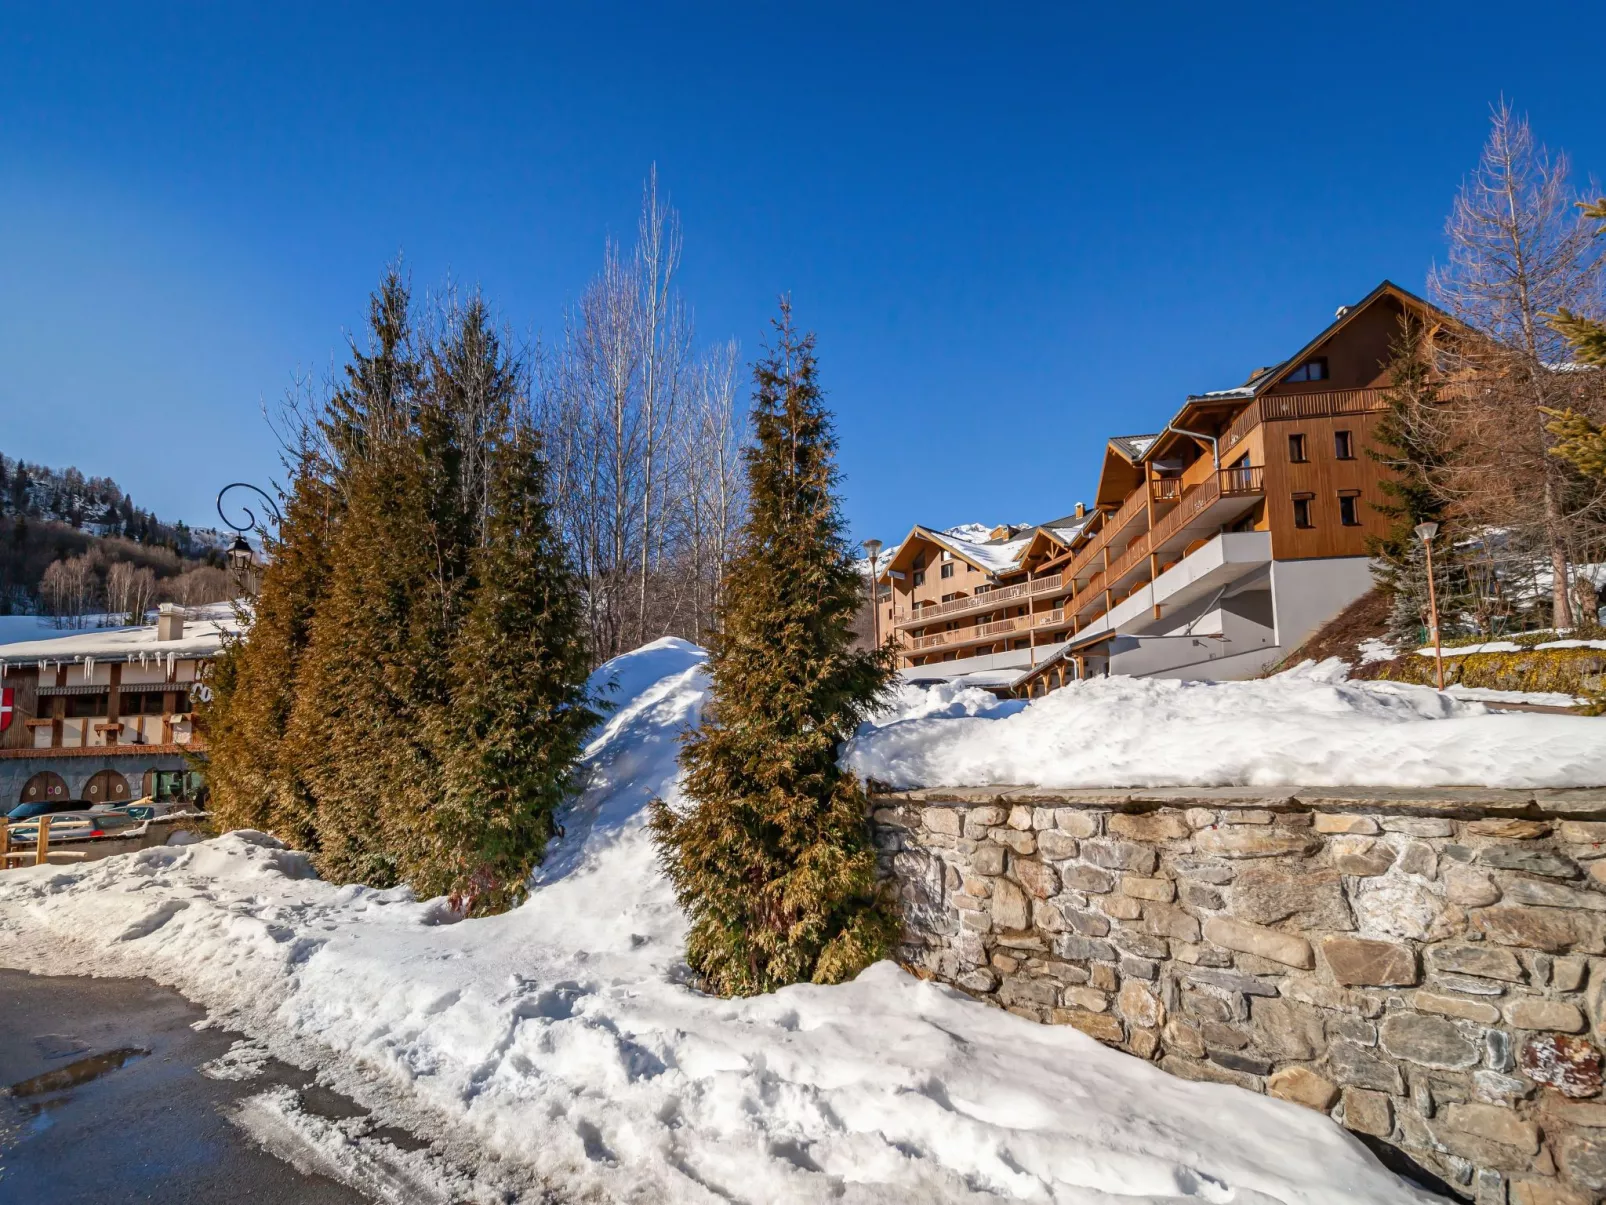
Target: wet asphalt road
x=106 y=1105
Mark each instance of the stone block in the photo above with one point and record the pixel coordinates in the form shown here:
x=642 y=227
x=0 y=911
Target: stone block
x=1121 y=907
x=1497 y=1050
x=1310 y=898
x=1235 y=1060
x=1248 y=816
x=1144 y=1043
x=1546 y=1192
x=1469 y=888
x=1287 y=948
x=1206 y=1071
x=988 y=859
x=1038 y=878
x=1245 y=841
x=948 y=821
x=1021 y=842
x=1302 y=1086
x=1215 y=873
x=1568 y=974
x=1197 y=895
x=1509 y=828
x=1102 y=976
x=1288 y=1031
x=1550 y=929
x=1554 y=895
x=1181 y=1036
x=1228 y=981
x=1570 y=1065
x=1144 y=945
x=1351 y=1029
x=1088 y=924
x=1430 y=1041
x=1139 y=968
x=1042 y=819
x=1456 y=1006
x=1494 y=1088
x=1087 y=998
x=1164 y=825
x=1020 y=817
x=1419 y=858
x=1342 y=822
x=1218 y=1035
x=1491 y=1123
x=1120 y=855
x=1167 y=920
x=1368 y=1112
x=1140 y=1006
x=1198 y=818
x=1419 y=826
x=1087 y=878
x=1359 y=961
x=988 y=814
x=1009 y=907
x=1076 y=822
x=1534 y=861
x=1583 y=1159
x=1402 y=907
x=1006 y=963
x=1204 y=1006
x=1057 y=845
x=1583 y=832
x=1140 y=887
x=1363 y=857
x=1556 y=1015
x=1200 y=956
x=1360 y=1067
x=1102 y=1026
x=978 y=980
x=1084 y=949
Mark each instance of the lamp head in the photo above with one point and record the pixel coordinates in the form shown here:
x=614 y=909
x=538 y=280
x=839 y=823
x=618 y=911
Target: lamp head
x=1426 y=531
x=873 y=547
x=240 y=553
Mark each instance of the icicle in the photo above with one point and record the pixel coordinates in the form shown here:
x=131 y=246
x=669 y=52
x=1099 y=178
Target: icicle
x=89 y=668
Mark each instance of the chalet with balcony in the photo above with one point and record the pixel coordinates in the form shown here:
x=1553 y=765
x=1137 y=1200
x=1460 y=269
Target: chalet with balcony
x=106 y=715
x=1213 y=548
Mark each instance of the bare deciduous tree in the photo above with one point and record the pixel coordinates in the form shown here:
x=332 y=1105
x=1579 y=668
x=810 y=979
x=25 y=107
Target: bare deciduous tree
x=1518 y=253
x=130 y=592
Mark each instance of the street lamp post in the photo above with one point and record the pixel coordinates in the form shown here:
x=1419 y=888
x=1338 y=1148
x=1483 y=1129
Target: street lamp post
x=239 y=554
x=873 y=547
x=1425 y=532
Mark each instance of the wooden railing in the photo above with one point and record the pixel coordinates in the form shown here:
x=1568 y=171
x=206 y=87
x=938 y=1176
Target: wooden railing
x=1139 y=551
x=1166 y=489
x=1241 y=426
x=1320 y=405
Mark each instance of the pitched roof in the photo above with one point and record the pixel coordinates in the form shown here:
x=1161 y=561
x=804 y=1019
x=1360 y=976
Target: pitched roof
x=1132 y=446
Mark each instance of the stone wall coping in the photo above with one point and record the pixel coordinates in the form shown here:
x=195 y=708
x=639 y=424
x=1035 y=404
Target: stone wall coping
x=1576 y=802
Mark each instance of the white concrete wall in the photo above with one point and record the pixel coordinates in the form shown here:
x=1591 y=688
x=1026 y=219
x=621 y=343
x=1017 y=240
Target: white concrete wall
x=1307 y=594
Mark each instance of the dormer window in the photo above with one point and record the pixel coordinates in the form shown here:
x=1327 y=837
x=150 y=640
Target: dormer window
x=1310 y=370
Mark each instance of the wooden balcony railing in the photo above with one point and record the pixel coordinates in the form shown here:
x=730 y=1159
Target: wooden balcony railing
x=1321 y=405
x=1166 y=489
x=1138 y=552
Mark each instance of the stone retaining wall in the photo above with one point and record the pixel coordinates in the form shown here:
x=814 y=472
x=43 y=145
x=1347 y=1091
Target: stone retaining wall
x=1428 y=967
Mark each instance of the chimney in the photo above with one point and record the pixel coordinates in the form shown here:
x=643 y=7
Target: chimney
x=1081 y=510
x=170 y=622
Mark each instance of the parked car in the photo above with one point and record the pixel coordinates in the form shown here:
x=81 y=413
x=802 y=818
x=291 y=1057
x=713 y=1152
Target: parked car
x=45 y=807
x=81 y=825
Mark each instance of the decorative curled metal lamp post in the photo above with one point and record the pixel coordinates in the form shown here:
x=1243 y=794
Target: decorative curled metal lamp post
x=239 y=554
x=1425 y=532
x=873 y=547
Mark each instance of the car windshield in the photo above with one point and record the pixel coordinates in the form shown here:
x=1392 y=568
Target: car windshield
x=27 y=811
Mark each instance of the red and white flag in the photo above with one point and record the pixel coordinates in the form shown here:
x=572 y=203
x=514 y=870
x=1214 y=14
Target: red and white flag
x=5 y=708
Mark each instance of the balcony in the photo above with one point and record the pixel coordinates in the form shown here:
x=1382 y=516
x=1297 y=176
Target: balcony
x=1281 y=407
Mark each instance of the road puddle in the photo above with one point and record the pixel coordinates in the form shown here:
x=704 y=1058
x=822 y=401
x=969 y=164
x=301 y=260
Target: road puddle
x=80 y=1072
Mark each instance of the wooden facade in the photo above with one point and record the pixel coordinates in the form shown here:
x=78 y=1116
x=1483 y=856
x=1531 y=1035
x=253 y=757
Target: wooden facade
x=1285 y=454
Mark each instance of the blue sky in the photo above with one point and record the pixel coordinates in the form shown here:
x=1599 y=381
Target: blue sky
x=1016 y=229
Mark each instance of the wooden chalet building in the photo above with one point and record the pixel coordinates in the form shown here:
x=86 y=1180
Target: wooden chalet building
x=105 y=716
x=1213 y=548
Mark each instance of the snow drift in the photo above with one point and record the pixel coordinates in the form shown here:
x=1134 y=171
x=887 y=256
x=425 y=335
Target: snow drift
x=1310 y=726
x=559 y=1045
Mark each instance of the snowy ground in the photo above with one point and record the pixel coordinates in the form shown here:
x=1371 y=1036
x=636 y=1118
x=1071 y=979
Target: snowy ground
x=1310 y=726
x=558 y=1045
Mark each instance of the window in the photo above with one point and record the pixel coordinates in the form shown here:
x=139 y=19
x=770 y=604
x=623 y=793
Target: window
x=920 y=577
x=1310 y=370
x=1344 y=445
x=1296 y=449
x=947 y=569
x=86 y=705
x=920 y=561
x=1302 y=510
x=969 y=568
x=1349 y=508
x=951 y=597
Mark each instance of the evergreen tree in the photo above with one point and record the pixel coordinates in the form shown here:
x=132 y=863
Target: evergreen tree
x=1579 y=442
x=519 y=712
x=773 y=862
x=1406 y=442
x=1587 y=335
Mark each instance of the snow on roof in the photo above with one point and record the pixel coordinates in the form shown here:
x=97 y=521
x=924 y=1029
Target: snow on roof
x=1133 y=446
x=999 y=556
x=203 y=637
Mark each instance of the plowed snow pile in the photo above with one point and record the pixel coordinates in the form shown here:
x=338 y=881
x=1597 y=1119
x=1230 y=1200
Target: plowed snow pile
x=559 y=1045
x=1310 y=726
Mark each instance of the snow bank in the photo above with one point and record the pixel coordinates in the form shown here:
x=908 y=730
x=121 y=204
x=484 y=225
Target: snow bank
x=1307 y=727
x=560 y=1044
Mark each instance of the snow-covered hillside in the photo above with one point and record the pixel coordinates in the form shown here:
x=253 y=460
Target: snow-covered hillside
x=560 y=1045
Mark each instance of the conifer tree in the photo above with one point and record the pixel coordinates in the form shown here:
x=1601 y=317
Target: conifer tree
x=773 y=862
x=519 y=709
x=1406 y=442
